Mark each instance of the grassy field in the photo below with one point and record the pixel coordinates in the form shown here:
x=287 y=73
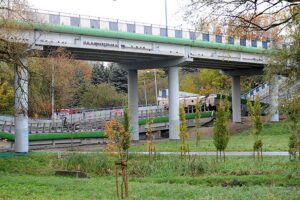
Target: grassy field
x=274 y=136
x=45 y=187
x=168 y=177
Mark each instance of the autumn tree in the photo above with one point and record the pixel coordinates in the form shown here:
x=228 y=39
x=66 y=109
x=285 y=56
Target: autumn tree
x=6 y=89
x=6 y=98
x=53 y=76
x=286 y=58
x=255 y=115
x=150 y=140
x=119 y=142
x=220 y=129
x=246 y=11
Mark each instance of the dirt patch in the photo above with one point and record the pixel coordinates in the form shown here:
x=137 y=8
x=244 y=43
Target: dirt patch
x=234 y=128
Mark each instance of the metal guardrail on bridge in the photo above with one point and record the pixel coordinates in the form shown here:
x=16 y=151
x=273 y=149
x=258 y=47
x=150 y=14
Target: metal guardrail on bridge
x=94 y=22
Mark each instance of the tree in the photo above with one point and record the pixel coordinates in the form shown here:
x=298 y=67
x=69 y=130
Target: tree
x=212 y=81
x=100 y=74
x=51 y=72
x=188 y=82
x=12 y=51
x=286 y=62
x=6 y=89
x=220 y=128
x=6 y=98
x=279 y=12
x=80 y=85
x=101 y=96
x=292 y=110
x=286 y=59
x=119 y=141
x=183 y=135
x=254 y=113
x=150 y=140
x=198 y=121
x=126 y=123
x=118 y=78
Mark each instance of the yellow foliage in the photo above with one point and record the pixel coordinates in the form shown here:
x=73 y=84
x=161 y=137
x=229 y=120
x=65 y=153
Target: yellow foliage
x=118 y=137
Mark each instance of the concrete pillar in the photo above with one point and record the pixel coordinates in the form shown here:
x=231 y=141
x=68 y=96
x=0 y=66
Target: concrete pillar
x=21 y=107
x=133 y=106
x=273 y=95
x=236 y=99
x=173 y=103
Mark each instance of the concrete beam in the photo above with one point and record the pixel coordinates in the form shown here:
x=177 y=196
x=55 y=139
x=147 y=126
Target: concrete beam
x=244 y=72
x=133 y=106
x=174 y=123
x=236 y=99
x=174 y=62
x=21 y=107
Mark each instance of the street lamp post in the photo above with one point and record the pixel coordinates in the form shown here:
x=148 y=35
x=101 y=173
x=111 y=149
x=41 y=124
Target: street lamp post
x=145 y=93
x=166 y=17
x=155 y=82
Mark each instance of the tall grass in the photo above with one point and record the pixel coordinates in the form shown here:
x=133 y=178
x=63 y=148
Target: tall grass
x=101 y=164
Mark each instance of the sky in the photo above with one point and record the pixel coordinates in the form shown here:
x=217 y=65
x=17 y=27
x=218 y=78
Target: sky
x=147 y=11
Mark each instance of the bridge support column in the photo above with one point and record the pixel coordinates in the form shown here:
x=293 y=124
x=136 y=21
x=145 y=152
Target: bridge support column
x=236 y=99
x=273 y=95
x=21 y=107
x=174 y=122
x=133 y=106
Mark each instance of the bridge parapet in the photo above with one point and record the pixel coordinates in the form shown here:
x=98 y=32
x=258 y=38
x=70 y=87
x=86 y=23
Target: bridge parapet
x=76 y=20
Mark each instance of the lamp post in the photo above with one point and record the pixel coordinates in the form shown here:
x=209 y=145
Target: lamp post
x=166 y=17
x=145 y=93
x=155 y=83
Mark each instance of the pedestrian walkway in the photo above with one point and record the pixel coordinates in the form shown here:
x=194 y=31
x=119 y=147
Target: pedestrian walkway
x=242 y=153
x=199 y=153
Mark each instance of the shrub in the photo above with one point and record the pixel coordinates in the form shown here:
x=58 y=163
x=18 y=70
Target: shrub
x=220 y=128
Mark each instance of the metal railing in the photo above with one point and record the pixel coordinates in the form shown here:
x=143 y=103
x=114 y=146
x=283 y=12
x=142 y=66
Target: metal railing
x=86 y=21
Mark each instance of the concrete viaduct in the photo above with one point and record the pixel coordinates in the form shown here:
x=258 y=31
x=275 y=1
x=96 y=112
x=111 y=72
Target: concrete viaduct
x=135 y=46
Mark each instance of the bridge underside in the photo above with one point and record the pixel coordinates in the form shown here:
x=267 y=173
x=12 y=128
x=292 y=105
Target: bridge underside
x=133 y=57
x=136 y=55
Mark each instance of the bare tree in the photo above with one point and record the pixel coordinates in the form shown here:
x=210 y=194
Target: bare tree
x=278 y=13
x=15 y=47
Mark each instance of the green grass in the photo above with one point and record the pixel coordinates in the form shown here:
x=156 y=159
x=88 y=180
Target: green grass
x=32 y=177
x=49 y=187
x=274 y=136
x=172 y=165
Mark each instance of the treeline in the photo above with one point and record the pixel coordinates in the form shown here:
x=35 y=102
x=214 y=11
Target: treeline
x=72 y=83
x=75 y=83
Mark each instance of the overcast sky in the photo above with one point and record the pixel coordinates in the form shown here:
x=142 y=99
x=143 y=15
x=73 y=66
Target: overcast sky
x=148 y=11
